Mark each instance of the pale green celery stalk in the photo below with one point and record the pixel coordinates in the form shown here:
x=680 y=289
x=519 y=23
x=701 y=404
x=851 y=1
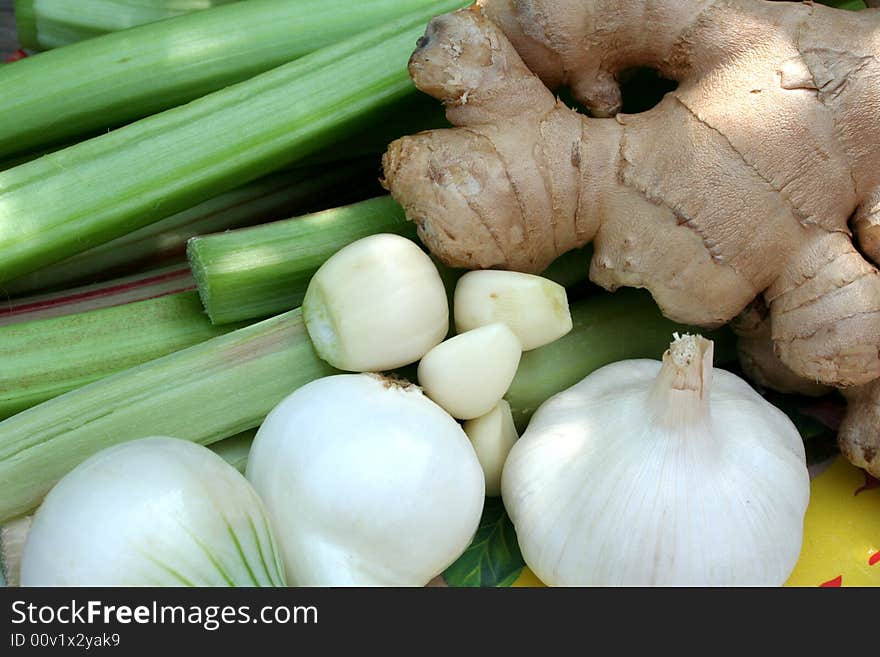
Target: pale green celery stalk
x=268 y=199
x=205 y=393
x=46 y=358
x=261 y=271
x=45 y=24
x=120 y=77
x=607 y=328
x=258 y=272
x=85 y=195
x=158 y=282
x=414 y=114
x=233 y=450
x=229 y=384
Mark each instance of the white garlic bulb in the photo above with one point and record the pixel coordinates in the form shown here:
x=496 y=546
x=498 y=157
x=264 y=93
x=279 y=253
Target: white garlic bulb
x=367 y=482
x=659 y=474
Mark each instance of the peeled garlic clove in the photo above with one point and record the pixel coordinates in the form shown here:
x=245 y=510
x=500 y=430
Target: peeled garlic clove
x=152 y=512
x=535 y=308
x=493 y=436
x=367 y=483
x=376 y=305
x=468 y=374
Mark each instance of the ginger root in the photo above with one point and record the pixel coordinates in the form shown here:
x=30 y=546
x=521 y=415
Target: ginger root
x=740 y=184
x=857 y=437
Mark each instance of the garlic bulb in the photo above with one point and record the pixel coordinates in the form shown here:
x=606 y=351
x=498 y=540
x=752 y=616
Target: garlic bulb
x=659 y=474
x=376 y=305
x=151 y=512
x=535 y=308
x=367 y=483
x=469 y=373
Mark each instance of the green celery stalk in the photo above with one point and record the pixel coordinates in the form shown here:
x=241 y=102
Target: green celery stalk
x=158 y=282
x=227 y=385
x=204 y=393
x=268 y=199
x=46 y=358
x=113 y=79
x=45 y=24
x=235 y=450
x=261 y=271
x=88 y=194
x=257 y=272
x=607 y=328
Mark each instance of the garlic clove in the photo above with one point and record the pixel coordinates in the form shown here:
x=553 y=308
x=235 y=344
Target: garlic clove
x=535 y=308
x=467 y=375
x=376 y=305
x=493 y=436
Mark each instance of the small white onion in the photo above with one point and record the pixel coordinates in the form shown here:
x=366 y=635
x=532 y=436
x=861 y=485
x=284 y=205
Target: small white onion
x=151 y=512
x=376 y=305
x=535 y=308
x=367 y=483
x=493 y=436
x=468 y=374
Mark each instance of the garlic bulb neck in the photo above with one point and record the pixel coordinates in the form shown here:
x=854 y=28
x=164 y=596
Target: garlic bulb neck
x=679 y=396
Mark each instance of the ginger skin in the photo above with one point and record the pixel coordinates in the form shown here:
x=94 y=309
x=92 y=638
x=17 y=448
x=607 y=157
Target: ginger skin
x=738 y=185
x=857 y=437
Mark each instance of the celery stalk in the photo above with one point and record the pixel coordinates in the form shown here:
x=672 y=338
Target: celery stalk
x=235 y=450
x=120 y=77
x=607 y=328
x=268 y=199
x=158 y=282
x=88 y=194
x=257 y=272
x=205 y=393
x=261 y=271
x=45 y=24
x=46 y=358
x=229 y=384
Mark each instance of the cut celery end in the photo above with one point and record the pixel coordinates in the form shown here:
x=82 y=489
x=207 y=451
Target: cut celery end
x=261 y=271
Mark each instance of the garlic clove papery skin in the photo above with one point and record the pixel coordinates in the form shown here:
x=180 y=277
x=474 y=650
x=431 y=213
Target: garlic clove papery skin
x=367 y=483
x=152 y=512
x=609 y=486
x=493 y=436
x=468 y=374
x=535 y=308
x=376 y=305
